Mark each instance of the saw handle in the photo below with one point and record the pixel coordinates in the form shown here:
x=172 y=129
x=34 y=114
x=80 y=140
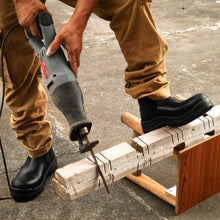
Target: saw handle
x=46 y=27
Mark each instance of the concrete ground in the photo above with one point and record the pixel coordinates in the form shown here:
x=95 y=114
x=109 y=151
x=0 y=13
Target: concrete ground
x=192 y=31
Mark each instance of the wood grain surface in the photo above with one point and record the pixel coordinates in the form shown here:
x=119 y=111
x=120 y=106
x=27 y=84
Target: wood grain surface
x=198 y=174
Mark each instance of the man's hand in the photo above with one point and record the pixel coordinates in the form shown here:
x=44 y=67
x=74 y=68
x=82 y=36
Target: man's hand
x=27 y=11
x=70 y=36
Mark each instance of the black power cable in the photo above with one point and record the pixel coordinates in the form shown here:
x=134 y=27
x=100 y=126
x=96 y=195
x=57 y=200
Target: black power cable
x=2 y=104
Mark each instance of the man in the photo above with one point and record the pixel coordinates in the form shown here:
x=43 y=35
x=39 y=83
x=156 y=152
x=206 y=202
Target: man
x=145 y=76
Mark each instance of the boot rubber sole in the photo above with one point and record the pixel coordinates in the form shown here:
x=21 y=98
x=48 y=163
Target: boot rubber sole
x=176 y=121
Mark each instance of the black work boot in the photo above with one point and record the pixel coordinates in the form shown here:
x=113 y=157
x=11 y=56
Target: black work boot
x=171 y=111
x=30 y=180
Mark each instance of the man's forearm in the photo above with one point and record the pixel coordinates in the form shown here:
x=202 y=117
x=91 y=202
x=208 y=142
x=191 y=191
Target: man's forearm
x=82 y=12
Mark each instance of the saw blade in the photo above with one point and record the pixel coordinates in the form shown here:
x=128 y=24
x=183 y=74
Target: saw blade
x=99 y=171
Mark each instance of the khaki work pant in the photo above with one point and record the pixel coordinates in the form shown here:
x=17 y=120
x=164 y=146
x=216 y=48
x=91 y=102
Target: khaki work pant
x=143 y=48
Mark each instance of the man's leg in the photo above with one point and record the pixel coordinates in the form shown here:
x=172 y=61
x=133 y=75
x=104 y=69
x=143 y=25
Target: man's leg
x=27 y=100
x=145 y=75
x=143 y=48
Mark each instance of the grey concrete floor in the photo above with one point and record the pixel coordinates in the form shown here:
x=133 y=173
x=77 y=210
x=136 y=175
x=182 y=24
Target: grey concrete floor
x=192 y=31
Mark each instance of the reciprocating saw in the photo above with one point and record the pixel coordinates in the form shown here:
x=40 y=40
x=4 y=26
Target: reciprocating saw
x=62 y=83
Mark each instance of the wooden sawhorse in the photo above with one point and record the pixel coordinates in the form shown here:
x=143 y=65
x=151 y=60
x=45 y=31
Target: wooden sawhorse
x=198 y=171
x=197 y=152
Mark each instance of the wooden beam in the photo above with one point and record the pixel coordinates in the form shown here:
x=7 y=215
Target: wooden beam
x=79 y=178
